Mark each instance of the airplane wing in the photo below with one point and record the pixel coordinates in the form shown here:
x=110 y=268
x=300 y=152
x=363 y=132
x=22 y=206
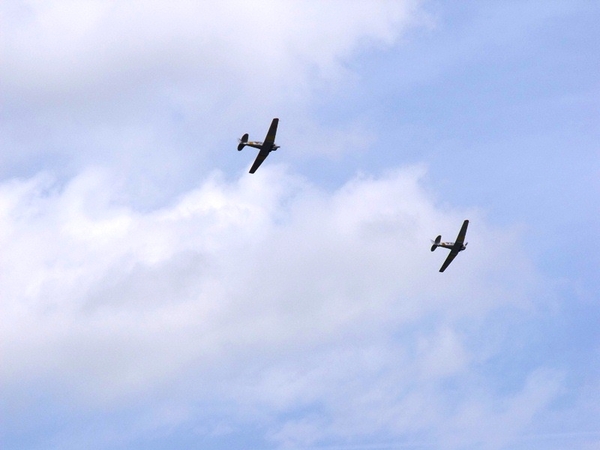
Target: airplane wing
x=262 y=155
x=270 y=137
x=449 y=259
x=460 y=239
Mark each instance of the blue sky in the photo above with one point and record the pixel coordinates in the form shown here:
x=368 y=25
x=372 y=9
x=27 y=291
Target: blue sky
x=156 y=295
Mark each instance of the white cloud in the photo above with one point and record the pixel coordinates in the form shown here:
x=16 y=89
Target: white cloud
x=497 y=425
x=66 y=44
x=159 y=92
x=107 y=62
x=263 y=296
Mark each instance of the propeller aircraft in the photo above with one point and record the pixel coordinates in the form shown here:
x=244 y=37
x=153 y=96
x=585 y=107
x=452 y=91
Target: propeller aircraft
x=265 y=147
x=455 y=247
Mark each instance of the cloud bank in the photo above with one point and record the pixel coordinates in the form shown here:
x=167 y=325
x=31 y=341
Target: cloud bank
x=264 y=297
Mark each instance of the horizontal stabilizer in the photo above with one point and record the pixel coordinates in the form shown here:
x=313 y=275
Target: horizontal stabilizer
x=243 y=141
x=436 y=243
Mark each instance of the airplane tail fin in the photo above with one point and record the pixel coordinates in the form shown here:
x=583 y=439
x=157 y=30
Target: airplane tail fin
x=243 y=141
x=436 y=243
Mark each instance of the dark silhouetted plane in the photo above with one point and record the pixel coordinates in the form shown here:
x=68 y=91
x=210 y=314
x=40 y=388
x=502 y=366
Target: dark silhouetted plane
x=454 y=247
x=265 y=147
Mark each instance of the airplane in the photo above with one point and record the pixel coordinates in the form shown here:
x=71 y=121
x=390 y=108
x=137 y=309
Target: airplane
x=265 y=147
x=454 y=247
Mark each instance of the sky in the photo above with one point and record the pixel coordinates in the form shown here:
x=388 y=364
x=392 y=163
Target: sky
x=155 y=295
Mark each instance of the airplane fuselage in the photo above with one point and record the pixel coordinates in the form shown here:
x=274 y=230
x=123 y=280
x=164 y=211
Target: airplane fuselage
x=259 y=145
x=452 y=245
